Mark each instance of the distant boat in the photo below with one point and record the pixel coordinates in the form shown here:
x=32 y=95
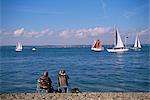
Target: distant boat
x=33 y=49
x=118 y=44
x=19 y=47
x=137 y=44
x=97 y=46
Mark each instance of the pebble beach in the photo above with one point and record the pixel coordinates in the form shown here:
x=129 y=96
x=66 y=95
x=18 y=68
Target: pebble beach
x=78 y=96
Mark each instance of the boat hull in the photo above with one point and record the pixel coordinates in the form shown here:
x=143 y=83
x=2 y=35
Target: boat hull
x=136 y=49
x=18 y=50
x=33 y=49
x=97 y=49
x=117 y=50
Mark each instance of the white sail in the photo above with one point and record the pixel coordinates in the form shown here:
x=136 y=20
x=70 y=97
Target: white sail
x=118 y=41
x=93 y=44
x=19 y=46
x=33 y=49
x=137 y=42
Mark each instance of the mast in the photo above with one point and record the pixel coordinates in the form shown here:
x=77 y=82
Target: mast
x=115 y=36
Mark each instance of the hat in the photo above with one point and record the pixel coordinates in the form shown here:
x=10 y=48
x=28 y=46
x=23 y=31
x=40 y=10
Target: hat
x=46 y=73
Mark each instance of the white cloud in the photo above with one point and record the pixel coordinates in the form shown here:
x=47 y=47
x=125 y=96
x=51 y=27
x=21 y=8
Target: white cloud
x=65 y=33
x=36 y=34
x=32 y=34
x=80 y=34
x=93 y=31
x=19 y=32
x=83 y=33
x=45 y=31
x=145 y=31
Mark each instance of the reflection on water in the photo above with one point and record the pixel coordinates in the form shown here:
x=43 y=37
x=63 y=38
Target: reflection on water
x=119 y=58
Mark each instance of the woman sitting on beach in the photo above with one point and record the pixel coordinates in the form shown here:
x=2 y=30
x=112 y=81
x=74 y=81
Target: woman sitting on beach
x=44 y=84
x=62 y=78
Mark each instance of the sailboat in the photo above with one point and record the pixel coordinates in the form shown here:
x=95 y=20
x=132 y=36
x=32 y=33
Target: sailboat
x=19 y=47
x=33 y=49
x=137 y=44
x=118 y=44
x=97 y=46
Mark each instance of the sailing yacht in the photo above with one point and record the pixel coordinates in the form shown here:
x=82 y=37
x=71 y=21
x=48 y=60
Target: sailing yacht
x=137 y=44
x=118 y=44
x=33 y=49
x=19 y=47
x=97 y=46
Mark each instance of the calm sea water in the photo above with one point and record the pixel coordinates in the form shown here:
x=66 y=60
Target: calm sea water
x=88 y=71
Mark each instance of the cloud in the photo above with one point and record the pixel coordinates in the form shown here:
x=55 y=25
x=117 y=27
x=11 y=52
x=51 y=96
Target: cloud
x=36 y=34
x=65 y=33
x=92 y=31
x=145 y=31
x=47 y=31
x=32 y=34
x=85 y=32
x=83 y=35
x=19 y=32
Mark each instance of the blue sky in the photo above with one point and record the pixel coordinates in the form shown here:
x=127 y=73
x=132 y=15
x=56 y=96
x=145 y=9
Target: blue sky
x=52 y=22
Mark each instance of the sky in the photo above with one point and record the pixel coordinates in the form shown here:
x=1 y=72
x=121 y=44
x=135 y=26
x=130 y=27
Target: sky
x=72 y=22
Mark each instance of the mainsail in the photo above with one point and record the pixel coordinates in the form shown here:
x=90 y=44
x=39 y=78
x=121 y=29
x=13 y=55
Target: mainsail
x=97 y=44
x=118 y=42
x=18 y=46
x=137 y=42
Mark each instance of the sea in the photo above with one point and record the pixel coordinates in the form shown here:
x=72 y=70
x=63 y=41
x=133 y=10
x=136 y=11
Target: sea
x=88 y=71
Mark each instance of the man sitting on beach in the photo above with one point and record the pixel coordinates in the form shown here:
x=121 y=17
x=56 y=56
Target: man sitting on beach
x=62 y=78
x=44 y=84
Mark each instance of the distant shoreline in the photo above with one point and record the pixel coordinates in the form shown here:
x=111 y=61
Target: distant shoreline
x=88 y=45
x=78 y=96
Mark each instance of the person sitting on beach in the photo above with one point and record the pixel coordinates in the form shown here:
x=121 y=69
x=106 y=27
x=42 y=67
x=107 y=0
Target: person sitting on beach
x=44 y=84
x=62 y=78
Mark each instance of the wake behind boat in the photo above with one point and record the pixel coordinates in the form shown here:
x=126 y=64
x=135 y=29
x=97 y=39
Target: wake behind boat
x=97 y=46
x=19 y=47
x=118 y=44
x=137 y=44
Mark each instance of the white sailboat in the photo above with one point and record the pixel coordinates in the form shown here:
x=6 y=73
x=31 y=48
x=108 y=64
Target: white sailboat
x=118 y=44
x=33 y=49
x=97 y=46
x=19 y=47
x=137 y=44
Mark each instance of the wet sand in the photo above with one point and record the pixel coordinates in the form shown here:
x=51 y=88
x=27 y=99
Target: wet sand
x=78 y=96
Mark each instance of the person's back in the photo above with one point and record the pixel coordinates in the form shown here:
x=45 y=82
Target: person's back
x=63 y=80
x=44 y=83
